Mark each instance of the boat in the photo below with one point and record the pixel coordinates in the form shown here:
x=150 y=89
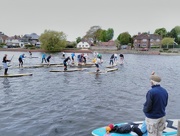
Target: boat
x=171 y=129
x=17 y=75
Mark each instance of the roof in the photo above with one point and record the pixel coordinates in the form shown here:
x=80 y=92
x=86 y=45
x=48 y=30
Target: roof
x=109 y=43
x=147 y=36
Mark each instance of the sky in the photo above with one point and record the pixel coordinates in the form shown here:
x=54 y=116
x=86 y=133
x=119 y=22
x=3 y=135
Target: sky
x=76 y=17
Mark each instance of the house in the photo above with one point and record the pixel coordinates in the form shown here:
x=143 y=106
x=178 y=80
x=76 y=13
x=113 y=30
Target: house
x=110 y=45
x=30 y=38
x=13 y=41
x=83 y=45
x=3 y=38
x=146 y=40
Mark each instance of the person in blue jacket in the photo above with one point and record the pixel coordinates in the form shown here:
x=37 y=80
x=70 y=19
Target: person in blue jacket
x=21 y=60
x=72 y=57
x=155 y=106
x=43 y=58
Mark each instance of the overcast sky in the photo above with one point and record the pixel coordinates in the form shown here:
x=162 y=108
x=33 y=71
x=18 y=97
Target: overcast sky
x=75 y=17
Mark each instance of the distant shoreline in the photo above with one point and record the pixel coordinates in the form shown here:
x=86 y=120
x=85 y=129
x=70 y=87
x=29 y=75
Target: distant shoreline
x=124 y=51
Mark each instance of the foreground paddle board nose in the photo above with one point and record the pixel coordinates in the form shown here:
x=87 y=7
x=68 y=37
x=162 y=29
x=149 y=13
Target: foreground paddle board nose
x=17 y=75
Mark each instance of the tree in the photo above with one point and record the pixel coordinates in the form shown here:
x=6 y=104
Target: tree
x=167 y=41
x=92 y=33
x=175 y=33
x=103 y=36
x=109 y=34
x=118 y=45
x=79 y=39
x=161 y=31
x=53 y=40
x=124 y=38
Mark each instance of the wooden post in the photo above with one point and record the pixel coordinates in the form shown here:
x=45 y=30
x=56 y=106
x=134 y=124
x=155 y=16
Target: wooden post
x=178 y=134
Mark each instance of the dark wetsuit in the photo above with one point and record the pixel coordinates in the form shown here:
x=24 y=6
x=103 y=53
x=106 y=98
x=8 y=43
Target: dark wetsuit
x=65 y=63
x=48 y=58
x=111 y=59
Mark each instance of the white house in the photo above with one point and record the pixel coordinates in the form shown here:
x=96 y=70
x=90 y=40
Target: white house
x=83 y=45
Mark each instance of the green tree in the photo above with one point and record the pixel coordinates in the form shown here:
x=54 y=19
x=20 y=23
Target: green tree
x=53 y=40
x=124 y=38
x=109 y=34
x=118 y=45
x=98 y=34
x=103 y=35
x=79 y=39
x=161 y=31
x=175 y=33
x=167 y=41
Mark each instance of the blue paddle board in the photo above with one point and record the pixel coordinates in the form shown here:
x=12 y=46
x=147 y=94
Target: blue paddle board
x=171 y=129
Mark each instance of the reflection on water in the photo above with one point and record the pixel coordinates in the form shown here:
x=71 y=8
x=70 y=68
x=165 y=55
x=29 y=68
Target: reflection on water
x=6 y=85
x=75 y=103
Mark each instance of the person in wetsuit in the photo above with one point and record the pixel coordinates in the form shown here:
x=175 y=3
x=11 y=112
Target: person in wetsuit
x=5 y=60
x=21 y=60
x=65 y=63
x=48 y=59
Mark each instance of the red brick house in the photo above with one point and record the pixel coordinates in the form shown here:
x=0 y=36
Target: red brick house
x=147 y=40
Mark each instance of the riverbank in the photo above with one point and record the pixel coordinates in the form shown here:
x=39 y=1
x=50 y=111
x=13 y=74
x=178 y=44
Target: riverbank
x=124 y=51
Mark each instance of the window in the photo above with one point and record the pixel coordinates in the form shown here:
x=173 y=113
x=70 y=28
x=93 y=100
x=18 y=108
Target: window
x=144 y=40
x=152 y=40
x=157 y=40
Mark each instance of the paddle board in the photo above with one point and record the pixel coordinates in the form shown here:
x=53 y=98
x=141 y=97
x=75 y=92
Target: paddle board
x=80 y=66
x=52 y=64
x=104 y=71
x=69 y=70
x=17 y=75
x=32 y=57
x=171 y=129
x=111 y=66
x=99 y=72
x=33 y=66
x=112 y=69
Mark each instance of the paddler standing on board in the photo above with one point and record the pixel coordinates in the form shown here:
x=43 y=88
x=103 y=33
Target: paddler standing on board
x=65 y=63
x=43 y=58
x=5 y=60
x=63 y=55
x=121 y=58
x=30 y=54
x=98 y=61
x=72 y=57
x=48 y=59
x=21 y=57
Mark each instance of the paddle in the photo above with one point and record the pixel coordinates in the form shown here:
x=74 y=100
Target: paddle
x=10 y=61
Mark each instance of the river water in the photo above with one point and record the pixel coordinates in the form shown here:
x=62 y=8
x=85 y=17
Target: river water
x=75 y=103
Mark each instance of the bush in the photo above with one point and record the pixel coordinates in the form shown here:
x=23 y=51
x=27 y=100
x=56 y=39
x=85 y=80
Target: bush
x=165 y=49
x=169 y=51
x=175 y=51
x=27 y=46
x=161 y=51
x=71 y=45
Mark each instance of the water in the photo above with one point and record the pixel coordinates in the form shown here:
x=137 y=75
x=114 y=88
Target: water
x=73 y=104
